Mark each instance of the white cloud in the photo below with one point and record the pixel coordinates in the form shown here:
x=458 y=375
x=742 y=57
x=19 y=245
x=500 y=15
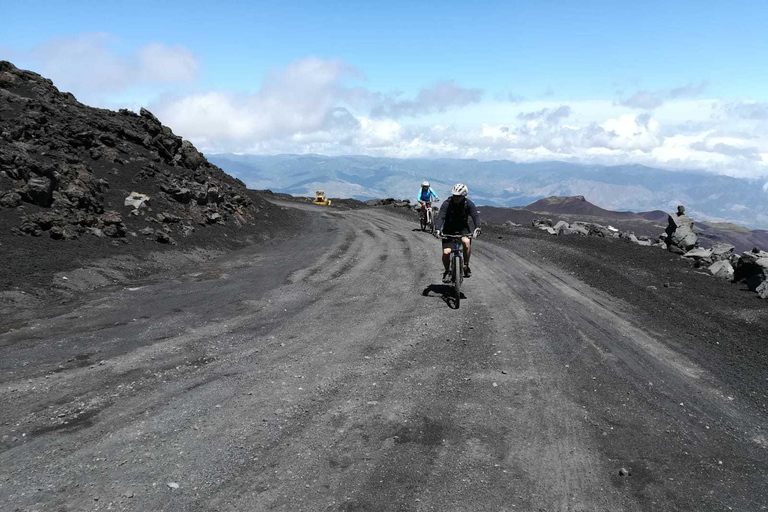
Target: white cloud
x=649 y=100
x=160 y=63
x=438 y=98
x=90 y=67
x=301 y=99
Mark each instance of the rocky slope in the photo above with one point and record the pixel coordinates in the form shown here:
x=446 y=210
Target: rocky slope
x=89 y=179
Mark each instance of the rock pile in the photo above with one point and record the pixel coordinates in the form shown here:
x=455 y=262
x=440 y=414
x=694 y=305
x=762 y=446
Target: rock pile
x=68 y=170
x=390 y=201
x=679 y=238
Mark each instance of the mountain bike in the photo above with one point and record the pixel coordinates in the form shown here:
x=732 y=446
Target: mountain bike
x=427 y=219
x=457 y=265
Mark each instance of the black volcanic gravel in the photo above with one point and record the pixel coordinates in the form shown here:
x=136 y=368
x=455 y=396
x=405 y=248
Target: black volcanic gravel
x=721 y=326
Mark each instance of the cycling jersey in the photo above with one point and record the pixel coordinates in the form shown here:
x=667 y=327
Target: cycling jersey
x=426 y=195
x=453 y=218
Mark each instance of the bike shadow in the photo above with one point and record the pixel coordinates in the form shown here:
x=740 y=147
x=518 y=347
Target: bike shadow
x=445 y=291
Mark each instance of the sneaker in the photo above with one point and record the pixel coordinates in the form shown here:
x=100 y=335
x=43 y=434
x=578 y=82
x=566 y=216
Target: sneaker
x=467 y=271
x=447 y=276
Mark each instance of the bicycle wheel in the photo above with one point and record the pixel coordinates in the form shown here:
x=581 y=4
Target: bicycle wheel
x=422 y=222
x=431 y=223
x=457 y=279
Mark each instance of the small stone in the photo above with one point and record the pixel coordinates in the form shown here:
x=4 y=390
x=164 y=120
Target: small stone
x=173 y=485
x=624 y=472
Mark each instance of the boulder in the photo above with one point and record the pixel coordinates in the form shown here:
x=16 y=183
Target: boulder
x=722 y=252
x=214 y=218
x=752 y=268
x=698 y=253
x=579 y=229
x=39 y=191
x=762 y=290
x=164 y=238
x=10 y=200
x=722 y=269
x=551 y=231
x=136 y=200
x=111 y=217
x=560 y=225
x=168 y=218
x=190 y=156
x=598 y=230
x=680 y=233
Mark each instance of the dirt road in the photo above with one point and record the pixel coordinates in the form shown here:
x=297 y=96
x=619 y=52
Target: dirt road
x=328 y=373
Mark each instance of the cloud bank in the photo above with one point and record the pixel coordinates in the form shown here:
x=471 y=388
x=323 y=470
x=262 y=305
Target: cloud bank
x=317 y=105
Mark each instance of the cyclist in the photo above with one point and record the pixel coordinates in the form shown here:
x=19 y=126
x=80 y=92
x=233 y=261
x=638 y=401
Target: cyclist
x=425 y=198
x=453 y=219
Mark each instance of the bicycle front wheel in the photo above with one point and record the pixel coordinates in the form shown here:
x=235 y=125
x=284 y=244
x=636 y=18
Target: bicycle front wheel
x=457 y=280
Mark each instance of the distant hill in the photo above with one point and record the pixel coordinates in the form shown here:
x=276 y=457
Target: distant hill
x=503 y=183
x=578 y=205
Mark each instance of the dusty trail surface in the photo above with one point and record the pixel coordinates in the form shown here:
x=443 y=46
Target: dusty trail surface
x=329 y=373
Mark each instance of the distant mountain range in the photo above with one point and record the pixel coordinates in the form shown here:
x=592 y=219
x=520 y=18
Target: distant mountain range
x=504 y=183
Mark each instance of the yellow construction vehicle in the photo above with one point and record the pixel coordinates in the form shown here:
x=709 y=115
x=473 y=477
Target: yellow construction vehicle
x=320 y=198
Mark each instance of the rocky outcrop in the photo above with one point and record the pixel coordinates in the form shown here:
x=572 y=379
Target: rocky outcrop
x=680 y=236
x=66 y=169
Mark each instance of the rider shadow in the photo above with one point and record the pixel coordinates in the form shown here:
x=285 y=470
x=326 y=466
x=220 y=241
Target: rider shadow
x=445 y=291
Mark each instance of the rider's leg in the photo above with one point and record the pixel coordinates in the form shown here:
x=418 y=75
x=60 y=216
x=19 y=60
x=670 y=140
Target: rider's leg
x=467 y=250
x=447 y=265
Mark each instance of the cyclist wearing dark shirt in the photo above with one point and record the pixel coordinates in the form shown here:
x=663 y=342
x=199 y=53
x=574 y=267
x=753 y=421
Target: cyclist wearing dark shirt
x=453 y=219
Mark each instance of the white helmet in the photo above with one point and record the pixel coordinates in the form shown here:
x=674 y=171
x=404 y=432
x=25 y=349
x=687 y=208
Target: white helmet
x=425 y=184
x=459 y=189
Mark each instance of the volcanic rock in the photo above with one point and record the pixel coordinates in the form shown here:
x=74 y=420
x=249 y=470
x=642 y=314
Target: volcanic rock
x=721 y=252
x=10 y=200
x=722 y=269
x=59 y=156
x=680 y=233
x=762 y=290
x=136 y=200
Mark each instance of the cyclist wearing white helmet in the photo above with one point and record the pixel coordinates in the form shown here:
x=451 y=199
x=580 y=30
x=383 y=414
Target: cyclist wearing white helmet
x=453 y=219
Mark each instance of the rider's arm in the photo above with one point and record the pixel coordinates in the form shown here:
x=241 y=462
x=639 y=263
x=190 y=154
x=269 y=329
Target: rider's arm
x=473 y=213
x=441 y=216
x=432 y=193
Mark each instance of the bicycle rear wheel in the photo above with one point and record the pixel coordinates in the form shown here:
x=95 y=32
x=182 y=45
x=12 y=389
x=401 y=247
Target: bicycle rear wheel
x=422 y=221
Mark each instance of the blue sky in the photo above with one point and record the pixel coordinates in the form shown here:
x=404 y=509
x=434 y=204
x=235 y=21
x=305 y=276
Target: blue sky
x=443 y=79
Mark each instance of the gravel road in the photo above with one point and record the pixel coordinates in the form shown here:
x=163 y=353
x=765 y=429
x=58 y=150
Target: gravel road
x=327 y=372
